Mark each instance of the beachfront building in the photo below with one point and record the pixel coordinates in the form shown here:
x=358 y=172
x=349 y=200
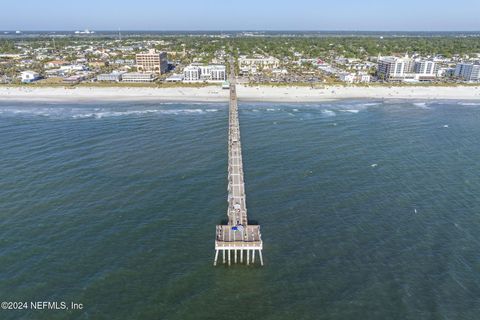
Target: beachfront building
x=139 y=77
x=425 y=67
x=152 y=61
x=29 y=76
x=74 y=79
x=347 y=77
x=97 y=64
x=191 y=74
x=111 y=77
x=406 y=69
x=175 y=78
x=213 y=73
x=394 y=68
x=468 y=71
x=201 y=73
x=361 y=77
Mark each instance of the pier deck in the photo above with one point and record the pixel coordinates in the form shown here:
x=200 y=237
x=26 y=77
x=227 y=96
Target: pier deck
x=237 y=237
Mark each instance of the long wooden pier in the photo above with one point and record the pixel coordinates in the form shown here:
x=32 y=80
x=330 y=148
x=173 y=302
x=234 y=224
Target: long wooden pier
x=237 y=238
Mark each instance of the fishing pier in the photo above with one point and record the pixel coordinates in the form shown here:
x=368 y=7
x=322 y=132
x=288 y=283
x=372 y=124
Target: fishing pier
x=237 y=241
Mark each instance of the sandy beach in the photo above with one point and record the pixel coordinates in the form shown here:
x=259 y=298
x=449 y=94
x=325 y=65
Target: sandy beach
x=245 y=93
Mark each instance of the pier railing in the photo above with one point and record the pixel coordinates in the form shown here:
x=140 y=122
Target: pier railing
x=236 y=238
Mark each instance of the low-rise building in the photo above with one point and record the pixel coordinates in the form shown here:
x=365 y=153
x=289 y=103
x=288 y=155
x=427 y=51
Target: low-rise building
x=4 y=79
x=54 y=73
x=258 y=62
x=138 y=77
x=445 y=72
x=279 y=72
x=29 y=76
x=127 y=62
x=112 y=77
x=55 y=64
x=175 y=78
x=73 y=68
x=360 y=77
x=347 y=77
x=74 y=79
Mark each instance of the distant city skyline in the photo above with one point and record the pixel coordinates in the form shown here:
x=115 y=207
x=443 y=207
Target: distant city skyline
x=370 y=15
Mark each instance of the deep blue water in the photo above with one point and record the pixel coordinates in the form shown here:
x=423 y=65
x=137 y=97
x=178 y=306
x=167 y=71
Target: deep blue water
x=369 y=210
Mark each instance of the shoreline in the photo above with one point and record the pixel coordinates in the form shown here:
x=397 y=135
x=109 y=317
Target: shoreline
x=245 y=93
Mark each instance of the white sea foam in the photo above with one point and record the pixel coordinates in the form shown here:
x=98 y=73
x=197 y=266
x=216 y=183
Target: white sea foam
x=97 y=113
x=422 y=105
x=328 y=113
x=371 y=104
x=356 y=108
x=182 y=111
x=469 y=104
x=33 y=111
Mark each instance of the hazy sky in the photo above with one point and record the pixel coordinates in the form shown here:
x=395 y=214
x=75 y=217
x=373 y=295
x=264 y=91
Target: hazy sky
x=403 y=15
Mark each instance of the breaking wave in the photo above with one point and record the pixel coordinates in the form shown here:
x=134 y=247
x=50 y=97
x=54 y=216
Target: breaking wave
x=470 y=104
x=96 y=113
x=356 y=108
x=351 y=110
x=328 y=113
x=422 y=105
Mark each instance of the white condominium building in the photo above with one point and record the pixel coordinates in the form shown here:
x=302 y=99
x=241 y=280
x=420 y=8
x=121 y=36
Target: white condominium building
x=191 y=74
x=468 y=71
x=425 y=67
x=394 y=68
x=210 y=73
x=218 y=73
x=406 y=69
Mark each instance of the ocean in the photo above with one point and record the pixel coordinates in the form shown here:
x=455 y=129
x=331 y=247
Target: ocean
x=369 y=210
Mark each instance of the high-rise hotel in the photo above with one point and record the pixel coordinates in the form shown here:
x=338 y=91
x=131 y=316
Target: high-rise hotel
x=152 y=61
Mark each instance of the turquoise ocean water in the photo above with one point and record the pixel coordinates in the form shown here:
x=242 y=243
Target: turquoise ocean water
x=369 y=210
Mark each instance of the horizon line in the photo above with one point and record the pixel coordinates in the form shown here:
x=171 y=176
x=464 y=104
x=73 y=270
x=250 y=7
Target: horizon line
x=229 y=30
